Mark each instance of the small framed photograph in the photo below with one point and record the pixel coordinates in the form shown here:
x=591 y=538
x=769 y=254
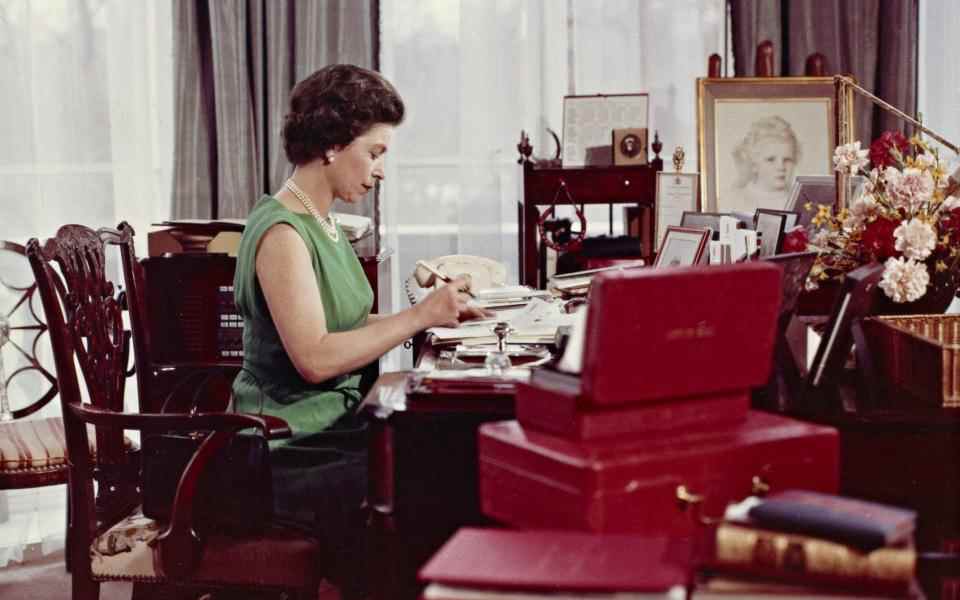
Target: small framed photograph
x=810 y=192
x=588 y=121
x=682 y=246
x=676 y=197
x=629 y=146
x=756 y=134
x=702 y=220
x=770 y=226
x=791 y=218
x=857 y=300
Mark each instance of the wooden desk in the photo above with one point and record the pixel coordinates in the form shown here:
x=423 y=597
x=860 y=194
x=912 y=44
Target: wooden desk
x=423 y=476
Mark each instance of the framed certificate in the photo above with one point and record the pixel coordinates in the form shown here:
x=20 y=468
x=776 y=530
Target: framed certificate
x=588 y=122
x=676 y=194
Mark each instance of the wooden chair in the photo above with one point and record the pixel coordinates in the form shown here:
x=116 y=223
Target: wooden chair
x=84 y=321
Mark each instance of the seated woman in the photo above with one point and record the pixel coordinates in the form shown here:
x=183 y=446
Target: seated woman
x=306 y=308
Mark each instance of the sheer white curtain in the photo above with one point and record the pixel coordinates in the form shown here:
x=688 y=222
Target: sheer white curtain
x=474 y=73
x=938 y=85
x=86 y=119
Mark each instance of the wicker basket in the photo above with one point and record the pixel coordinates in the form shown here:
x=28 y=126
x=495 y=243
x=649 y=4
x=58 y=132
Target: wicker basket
x=920 y=354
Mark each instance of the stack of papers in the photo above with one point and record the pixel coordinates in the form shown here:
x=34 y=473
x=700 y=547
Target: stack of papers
x=578 y=282
x=507 y=296
x=536 y=322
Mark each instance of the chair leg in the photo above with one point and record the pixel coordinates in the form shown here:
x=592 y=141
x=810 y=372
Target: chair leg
x=66 y=536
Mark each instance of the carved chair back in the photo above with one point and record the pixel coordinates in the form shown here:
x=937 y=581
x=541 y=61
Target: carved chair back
x=33 y=454
x=88 y=340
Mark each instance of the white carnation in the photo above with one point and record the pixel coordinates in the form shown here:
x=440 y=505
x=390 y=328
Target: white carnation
x=849 y=158
x=904 y=280
x=915 y=239
x=862 y=209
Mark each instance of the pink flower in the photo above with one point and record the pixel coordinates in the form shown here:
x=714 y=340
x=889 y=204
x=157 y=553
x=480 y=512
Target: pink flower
x=909 y=190
x=904 y=280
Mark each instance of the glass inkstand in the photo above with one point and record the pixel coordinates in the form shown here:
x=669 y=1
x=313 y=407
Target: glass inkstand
x=5 y=413
x=498 y=361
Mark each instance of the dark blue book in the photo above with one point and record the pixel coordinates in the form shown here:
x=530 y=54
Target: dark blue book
x=857 y=523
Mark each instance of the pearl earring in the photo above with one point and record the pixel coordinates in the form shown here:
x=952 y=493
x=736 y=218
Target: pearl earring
x=330 y=157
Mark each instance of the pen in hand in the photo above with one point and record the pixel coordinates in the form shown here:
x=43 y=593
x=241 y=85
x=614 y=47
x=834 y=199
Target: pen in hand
x=442 y=276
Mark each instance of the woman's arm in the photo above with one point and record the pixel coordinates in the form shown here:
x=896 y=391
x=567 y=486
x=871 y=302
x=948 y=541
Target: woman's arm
x=286 y=277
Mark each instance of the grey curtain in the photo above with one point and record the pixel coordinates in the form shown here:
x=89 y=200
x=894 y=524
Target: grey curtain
x=873 y=40
x=235 y=63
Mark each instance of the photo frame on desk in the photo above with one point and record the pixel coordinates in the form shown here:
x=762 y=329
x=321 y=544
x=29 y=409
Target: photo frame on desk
x=702 y=220
x=856 y=301
x=744 y=121
x=630 y=146
x=677 y=195
x=770 y=224
x=589 y=120
x=682 y=246
x=809 y=192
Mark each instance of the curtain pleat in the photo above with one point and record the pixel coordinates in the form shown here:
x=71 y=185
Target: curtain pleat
x=192 y=167
x=254 y=52
x=873 y=40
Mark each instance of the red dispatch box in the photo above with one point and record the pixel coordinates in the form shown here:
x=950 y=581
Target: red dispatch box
x=536 y=480
x=560 y=411
x=658 y=334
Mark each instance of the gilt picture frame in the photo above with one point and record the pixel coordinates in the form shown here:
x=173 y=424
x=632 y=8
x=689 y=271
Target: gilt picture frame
x=756 y=134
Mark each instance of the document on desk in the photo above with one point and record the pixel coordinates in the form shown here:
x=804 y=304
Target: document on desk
x=534 y=323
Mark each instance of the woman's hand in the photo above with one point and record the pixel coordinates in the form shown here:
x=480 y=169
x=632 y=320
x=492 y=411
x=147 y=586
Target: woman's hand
x=475 y=312
x=443 y=306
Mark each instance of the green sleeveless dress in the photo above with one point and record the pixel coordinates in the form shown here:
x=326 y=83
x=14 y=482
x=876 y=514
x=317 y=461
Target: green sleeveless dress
x=347 y=300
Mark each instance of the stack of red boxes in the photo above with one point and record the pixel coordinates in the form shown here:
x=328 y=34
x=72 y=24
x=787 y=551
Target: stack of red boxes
x=659 y=416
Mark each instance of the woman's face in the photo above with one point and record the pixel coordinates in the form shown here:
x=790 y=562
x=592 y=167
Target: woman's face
x=773 y=162
x=357 y=166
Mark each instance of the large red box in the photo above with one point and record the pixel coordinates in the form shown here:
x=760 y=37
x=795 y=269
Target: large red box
x=536 y=480
x=663 y=334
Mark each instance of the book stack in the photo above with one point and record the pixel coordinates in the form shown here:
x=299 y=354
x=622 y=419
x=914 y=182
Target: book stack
x=653 y=418
x=826 y=544
x=499 y=564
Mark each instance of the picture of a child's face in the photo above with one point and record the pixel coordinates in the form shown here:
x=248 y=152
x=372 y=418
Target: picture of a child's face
x=774 y=162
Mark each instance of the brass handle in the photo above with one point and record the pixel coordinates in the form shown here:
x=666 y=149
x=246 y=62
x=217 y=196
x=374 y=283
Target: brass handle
x=758 y=486
x=687 y=498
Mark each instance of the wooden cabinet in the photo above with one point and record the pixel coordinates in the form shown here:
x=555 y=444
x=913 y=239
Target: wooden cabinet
x=626 y=186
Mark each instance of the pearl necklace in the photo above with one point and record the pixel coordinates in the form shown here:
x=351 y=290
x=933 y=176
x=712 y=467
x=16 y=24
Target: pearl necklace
x=326 y=223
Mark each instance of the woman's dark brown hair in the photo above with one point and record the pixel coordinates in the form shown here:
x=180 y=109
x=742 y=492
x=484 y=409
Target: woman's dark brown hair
x=333 y=106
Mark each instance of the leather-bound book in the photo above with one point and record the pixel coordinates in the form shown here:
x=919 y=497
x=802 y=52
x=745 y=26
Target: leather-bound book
x=851 y=521
x=780 y=556
x=496 y=563
x=561 y=410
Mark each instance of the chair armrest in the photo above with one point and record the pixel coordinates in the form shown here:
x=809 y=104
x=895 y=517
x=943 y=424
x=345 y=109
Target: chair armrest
x=272 y=427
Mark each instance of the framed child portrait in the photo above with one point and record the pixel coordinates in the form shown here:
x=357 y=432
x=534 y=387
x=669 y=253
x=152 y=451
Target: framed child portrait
x=756 y=134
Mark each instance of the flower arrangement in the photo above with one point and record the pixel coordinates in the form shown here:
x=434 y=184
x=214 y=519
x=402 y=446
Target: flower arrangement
x=907 y=218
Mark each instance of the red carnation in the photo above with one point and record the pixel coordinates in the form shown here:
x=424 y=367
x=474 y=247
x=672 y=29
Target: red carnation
x=877 y=240
x=881 y=150
x=796 y=240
